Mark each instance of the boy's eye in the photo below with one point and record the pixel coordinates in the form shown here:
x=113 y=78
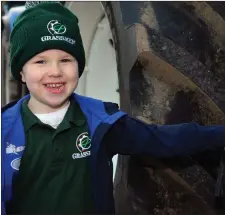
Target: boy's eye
x=40 y=62
x=66 y=60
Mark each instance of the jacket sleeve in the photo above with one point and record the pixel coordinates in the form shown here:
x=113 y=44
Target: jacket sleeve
x=130 y=136
x=3 y=209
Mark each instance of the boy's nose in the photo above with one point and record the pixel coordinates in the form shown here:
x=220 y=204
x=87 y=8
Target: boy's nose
x=55 y=70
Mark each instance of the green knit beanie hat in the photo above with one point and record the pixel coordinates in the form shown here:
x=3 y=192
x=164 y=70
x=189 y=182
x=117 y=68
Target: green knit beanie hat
x=43 y=26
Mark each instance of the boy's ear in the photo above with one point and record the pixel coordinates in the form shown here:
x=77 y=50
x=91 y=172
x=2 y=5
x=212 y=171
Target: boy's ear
x=22 y=77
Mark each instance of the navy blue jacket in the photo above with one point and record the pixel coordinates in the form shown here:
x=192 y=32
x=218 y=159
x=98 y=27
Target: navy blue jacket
x=130 y=137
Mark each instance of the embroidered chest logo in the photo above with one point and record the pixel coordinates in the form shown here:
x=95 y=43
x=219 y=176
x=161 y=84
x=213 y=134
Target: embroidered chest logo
x=83 y=144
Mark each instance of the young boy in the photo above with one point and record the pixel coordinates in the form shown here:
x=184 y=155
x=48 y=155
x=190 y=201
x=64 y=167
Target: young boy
x=57 y=146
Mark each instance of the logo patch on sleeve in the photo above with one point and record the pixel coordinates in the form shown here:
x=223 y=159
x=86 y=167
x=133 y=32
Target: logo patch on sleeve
x=15 y=164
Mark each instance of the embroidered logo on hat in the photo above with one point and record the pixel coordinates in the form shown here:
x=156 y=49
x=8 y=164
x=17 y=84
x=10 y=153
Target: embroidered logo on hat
x=56 y=28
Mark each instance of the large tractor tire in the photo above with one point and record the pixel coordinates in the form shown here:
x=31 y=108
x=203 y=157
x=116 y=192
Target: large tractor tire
x=171 y=65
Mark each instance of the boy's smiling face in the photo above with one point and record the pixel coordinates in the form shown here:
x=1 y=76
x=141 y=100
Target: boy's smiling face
x=51 y=77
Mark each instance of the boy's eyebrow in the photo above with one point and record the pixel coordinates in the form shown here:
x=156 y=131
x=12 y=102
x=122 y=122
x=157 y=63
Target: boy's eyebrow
x=41 y=56
x=66 y=55
x=63 y=56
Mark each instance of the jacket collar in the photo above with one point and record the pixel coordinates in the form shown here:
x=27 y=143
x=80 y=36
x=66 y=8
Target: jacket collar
x=93 y=109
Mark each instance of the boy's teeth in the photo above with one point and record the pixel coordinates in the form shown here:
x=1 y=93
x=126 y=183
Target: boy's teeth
x=54 y=85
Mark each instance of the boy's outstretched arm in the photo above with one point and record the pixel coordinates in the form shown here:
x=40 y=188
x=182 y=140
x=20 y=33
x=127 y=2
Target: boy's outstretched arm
x=131 y=136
